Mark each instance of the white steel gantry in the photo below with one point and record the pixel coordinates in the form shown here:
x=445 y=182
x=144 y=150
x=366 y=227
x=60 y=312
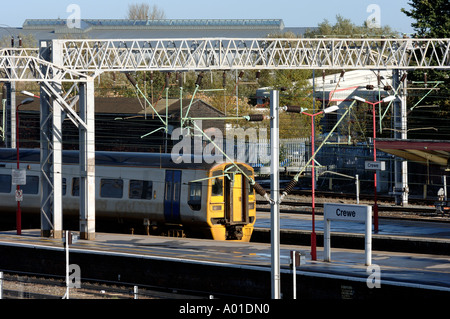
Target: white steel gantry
x=79 y=61
x=243 y=54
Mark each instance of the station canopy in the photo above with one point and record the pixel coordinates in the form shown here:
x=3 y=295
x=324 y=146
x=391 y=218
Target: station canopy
x=421 y=151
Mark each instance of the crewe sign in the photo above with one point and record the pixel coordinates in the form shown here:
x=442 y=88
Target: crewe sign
x=375 y=165
x=349 y=213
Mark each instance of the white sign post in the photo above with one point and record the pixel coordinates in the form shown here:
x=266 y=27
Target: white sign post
x=349 y=213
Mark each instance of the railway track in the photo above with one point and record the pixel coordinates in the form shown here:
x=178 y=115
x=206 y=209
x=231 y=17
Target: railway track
x=388 y=199
x=299 y=202
x=31 y=286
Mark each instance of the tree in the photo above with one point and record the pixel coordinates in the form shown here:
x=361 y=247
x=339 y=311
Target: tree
x=144 y=11
x=432 y=17
x=432 y=20
x=346 y=28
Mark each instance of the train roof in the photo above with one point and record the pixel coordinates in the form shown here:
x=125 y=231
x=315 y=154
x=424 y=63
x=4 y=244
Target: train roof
x=157 y=160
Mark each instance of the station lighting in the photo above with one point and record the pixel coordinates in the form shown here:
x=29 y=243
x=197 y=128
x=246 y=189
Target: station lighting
x=298 y=109
x=29 y=94
x=386 y=99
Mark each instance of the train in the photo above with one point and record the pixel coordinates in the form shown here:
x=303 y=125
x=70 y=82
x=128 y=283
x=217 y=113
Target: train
x=195 y=198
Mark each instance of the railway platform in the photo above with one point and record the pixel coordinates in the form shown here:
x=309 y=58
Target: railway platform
x=231 y=269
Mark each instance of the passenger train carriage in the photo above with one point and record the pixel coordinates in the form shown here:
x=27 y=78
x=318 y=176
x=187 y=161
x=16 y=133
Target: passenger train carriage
x=215 y=200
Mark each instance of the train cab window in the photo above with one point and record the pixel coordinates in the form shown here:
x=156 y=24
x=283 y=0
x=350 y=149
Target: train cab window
x=111 y=188
x=32 y=186
x=140 y=189
x=217 y=184
x=217 y=187
x=76 y=186
x=5 y=183
x=195 y=195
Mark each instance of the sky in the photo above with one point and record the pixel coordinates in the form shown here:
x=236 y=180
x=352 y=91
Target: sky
x=294 y=13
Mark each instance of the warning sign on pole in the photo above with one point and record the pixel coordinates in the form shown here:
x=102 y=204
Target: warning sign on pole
x=19 y=195
x=19 y=177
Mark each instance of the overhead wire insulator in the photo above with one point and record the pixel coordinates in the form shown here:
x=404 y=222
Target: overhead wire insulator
x=290 y=187
x=293 y=109
x=167 y=79
x=224 y=79
x=199 y=79
x=131 y=78
x=255 y=117
x=261 y=191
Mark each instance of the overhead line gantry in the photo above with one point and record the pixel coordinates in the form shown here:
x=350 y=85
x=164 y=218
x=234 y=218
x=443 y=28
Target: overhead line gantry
x=80 y=61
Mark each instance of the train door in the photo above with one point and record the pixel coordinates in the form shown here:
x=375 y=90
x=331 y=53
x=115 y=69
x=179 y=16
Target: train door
x=239 y=193
x=172 y=196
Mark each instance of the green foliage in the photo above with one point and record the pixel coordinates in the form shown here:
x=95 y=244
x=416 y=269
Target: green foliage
x=345 y=28
x=432 y=20
x=432 y=17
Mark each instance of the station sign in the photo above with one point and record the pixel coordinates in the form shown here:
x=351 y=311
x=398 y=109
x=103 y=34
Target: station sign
x=351 y=213
x=347 y=213
x=375 y=165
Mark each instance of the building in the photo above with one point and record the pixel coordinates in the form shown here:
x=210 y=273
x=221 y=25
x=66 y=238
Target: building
x=48 y=29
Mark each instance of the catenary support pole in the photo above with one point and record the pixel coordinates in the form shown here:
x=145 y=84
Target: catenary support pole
x=87 y=161
x=274 y=194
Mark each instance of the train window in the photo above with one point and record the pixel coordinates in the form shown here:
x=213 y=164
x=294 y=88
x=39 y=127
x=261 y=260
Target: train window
x=5 y=183
x=64 y=186
x=140 y=189
x=217 y=187
x=195 y=195
x=217 y=184
x=32 y=186
x=111 y=188
x=76 y=186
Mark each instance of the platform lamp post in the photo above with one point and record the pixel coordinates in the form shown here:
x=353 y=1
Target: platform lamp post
x=386 y=99
x=313 y=232
x=18 y=211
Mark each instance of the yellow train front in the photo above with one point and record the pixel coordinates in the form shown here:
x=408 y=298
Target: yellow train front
x=231 y=202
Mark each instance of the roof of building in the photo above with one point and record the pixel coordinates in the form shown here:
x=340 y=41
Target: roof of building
x=162 y=23
x=133 y=105
x=47 y=29
x=420 y=151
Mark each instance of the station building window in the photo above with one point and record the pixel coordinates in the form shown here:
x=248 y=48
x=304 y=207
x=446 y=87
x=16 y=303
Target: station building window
x=111 y=188
x=5 y=183
x=140 y=189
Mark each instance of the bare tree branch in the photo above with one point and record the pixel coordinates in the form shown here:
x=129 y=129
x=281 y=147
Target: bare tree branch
x=144 y=11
